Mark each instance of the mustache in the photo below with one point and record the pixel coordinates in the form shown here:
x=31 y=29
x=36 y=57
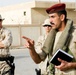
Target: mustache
x=52 y=23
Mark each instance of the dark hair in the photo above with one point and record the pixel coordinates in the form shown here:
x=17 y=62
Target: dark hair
x=63 y=12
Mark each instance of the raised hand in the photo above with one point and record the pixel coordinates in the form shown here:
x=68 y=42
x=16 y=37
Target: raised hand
x=29 y=43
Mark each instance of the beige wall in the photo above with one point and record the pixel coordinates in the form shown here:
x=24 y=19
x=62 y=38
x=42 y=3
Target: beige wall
x=35 y=12
x=72 y=15
x=38 y=15
x=17 y=16
x=31 y=31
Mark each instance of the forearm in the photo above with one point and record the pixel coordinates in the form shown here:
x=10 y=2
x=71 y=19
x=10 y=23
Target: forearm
x=73 y=65
x=1 y=45
x=35 y=56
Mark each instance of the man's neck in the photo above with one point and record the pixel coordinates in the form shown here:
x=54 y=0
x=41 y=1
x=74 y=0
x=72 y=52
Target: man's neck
x=62 y=27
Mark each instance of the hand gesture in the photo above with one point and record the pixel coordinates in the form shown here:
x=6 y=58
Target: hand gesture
x=29 y=43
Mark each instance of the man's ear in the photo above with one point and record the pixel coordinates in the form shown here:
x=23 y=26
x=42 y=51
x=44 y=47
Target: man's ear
x=62 y=17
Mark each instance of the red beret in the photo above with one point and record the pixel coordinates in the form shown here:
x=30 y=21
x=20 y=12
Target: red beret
x=56 y=7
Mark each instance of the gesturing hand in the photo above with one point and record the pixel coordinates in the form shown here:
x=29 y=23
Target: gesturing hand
x=29 y=43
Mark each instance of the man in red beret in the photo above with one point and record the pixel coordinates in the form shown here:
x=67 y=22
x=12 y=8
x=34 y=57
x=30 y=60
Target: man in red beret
x=62 y=36
x=56 y=8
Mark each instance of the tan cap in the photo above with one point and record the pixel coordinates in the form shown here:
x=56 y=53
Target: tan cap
x=1 y=18
x=46 y=22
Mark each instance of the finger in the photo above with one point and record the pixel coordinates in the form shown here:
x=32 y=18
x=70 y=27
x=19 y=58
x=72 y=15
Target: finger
x=26 y=38
x=30 y=41
x=60 y=60
x=26 y=45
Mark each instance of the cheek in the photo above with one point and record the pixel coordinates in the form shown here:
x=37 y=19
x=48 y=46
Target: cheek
x=58 y=22
x=46 y=28
x=49 y=28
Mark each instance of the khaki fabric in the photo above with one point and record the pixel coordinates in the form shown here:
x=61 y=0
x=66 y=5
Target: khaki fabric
x=72 y=45
x=4 y=67
x=69 y=72
x=39 y=44
x=38 y=47
x=60 y=44
x=6 y=39
x=72 y=48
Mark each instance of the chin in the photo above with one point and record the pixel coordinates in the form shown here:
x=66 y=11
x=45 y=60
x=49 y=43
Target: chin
x=53 y=28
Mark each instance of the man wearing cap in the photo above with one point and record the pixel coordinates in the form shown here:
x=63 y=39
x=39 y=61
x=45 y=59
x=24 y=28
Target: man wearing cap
x=47 y=27
x=62 y=36
x=5 y=43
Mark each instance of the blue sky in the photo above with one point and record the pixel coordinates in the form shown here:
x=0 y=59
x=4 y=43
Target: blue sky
x=11 y=2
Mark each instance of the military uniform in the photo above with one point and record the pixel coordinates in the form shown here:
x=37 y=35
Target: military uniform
x=6 y=39
x=72 y=47
x=38 y=46
x=66 y=41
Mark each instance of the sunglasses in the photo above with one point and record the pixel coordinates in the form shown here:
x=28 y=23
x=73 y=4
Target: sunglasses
x=0 y=19
x=47 y=26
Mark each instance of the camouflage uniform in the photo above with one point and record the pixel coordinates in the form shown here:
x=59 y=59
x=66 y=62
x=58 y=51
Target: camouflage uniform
x=38 y=47
x=72 y=47
x=6 y=39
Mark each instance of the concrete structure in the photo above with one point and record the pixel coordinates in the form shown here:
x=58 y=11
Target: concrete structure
x=31 y=12
x=26 y=19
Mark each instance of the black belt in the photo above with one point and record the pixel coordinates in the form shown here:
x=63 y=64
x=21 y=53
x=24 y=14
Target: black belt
x=9 y=58
x=4 y=58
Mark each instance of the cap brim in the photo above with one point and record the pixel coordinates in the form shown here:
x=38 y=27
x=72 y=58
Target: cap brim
x=2 y=19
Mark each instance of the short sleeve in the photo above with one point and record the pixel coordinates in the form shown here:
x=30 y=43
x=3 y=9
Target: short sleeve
x=38 y=46
x=8 y=38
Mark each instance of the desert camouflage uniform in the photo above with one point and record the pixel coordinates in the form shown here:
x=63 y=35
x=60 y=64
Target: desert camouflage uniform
x=38 y=47
x=72 y=47
x=6 y=39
